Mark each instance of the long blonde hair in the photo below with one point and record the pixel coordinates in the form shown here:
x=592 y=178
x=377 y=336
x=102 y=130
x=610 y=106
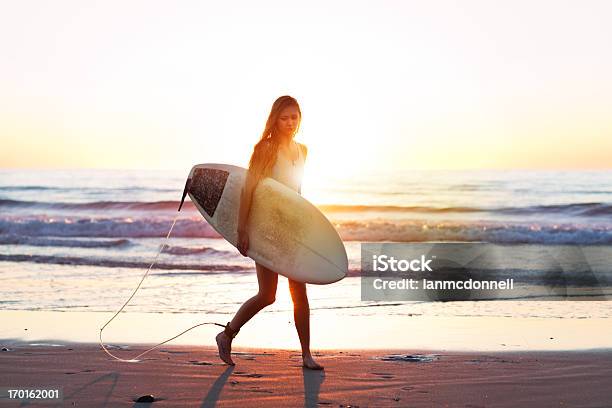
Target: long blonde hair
x=266 y=150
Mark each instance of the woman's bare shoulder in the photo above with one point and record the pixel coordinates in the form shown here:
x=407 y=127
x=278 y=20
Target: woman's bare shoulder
x=304 y=148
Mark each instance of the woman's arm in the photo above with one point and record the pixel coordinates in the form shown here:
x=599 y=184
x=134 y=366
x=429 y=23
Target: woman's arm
x=246 y=199
x=304 y=150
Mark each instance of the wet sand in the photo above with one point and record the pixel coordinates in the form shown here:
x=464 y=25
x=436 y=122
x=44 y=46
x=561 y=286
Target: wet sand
x=191 y=376
x=335 y=329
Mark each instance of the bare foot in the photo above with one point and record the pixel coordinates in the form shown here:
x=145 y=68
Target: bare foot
x=308 y=362
x=224 y=344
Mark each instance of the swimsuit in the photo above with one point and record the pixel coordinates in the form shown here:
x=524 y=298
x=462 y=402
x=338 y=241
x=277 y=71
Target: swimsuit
x=289 y=172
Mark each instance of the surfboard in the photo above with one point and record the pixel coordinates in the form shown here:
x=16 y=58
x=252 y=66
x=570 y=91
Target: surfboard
x=287 y=234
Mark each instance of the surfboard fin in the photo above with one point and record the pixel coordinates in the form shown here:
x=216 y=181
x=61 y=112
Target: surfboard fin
x=185 y=191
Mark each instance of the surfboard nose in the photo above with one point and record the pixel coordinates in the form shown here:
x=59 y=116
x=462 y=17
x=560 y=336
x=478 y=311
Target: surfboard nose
x=342 y=265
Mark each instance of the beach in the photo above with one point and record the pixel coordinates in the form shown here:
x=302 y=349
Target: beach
x=425 y=361
x=74 y=246
x=182 y=376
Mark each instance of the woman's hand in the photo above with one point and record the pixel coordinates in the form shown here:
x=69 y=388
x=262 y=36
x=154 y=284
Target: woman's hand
x=243 y=242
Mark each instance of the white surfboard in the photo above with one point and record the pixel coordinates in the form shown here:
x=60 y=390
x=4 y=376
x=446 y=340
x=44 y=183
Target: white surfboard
x=287 y=234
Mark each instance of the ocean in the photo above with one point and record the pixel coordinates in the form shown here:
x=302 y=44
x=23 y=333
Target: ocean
x=78 y=240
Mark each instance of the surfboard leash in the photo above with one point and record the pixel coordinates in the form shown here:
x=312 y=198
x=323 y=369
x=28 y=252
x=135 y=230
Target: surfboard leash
x=161 y=248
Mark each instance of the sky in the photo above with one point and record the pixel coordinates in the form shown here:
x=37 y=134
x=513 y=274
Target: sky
x=383 y=85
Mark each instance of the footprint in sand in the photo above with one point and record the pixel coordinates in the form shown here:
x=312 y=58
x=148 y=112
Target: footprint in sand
x=410 y=358
x=82 y=371
x=202 y=363
x=239 y=353
x=384 y=375
x=489 y=359
x=249 y=375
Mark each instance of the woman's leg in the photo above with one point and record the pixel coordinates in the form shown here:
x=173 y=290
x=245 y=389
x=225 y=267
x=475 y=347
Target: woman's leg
x=301 y=315
x=268 y=282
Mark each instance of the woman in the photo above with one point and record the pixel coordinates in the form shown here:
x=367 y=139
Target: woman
x=278 y=156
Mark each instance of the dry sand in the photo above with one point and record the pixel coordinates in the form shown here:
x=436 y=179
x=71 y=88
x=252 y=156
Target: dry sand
x=190 y=376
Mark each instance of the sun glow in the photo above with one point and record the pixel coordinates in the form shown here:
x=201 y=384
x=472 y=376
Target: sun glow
x=382 y=87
